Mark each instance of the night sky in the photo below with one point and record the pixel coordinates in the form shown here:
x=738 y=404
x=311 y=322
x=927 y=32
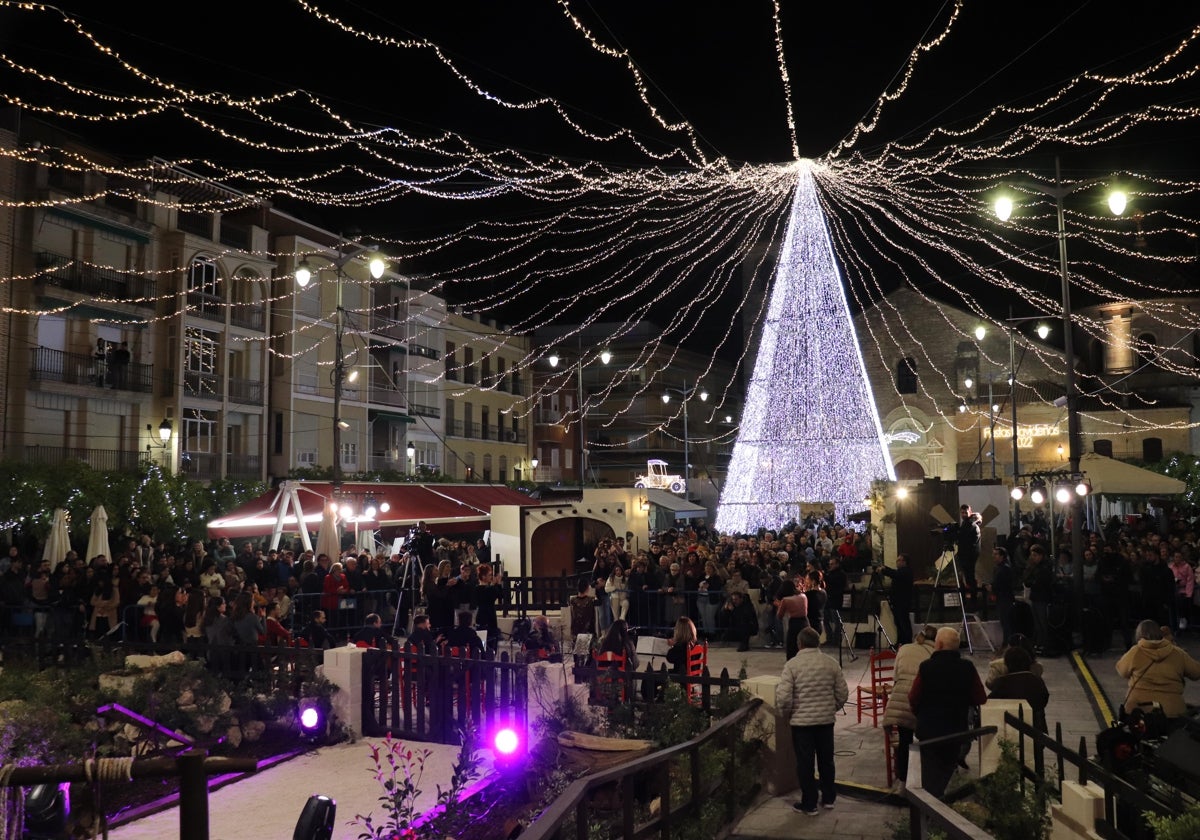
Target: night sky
x=712 y=63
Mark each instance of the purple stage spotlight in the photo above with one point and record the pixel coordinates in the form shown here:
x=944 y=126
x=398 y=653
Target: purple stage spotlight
x=506 y=742
x=312 y=718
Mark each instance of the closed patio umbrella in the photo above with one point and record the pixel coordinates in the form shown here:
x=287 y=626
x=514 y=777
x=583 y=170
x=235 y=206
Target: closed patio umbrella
x=97 y=534
x=328 y=540
x=58 y=543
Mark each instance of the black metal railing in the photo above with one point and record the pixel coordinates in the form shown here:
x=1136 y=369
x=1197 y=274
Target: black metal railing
x=424 y=410
x=200 y=464
x=246 y=391
x=252 y=316
x=568 y=815
x=209 y=307
x=63 y=272
x=97 y=459
x=205 y=386
x=46 y=365
x=1126 y=800
x=243 y=466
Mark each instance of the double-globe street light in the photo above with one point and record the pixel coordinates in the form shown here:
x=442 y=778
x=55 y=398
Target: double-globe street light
x=605 y=356
x=1004 y=206
x=686 y=394
x=339 y=257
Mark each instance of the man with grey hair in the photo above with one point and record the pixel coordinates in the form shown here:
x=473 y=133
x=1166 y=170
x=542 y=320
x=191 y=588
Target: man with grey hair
x=946 y=688
x=811 y=689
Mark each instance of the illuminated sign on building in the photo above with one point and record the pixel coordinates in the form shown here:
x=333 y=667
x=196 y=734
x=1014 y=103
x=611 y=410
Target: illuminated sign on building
x=1026 y=432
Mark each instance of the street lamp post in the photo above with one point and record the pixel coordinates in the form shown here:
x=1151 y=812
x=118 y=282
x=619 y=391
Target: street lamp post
x=345 y=253
x=605 y=357
x=1004 y=207
x=686 y=394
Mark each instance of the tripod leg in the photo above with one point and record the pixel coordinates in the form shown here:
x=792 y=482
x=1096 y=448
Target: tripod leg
x=962 y=605
x=845 y=643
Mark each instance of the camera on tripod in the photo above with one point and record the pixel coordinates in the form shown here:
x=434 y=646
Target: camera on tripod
x=949 y=534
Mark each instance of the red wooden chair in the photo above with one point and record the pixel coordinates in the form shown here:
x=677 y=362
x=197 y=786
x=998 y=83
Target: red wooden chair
x=891 y=742
x=697 y=660
x=610 y=682
x=873 y=698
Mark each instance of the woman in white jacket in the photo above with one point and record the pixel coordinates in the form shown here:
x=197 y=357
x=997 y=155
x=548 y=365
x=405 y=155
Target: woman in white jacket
x=618 y=592
x=898 y=712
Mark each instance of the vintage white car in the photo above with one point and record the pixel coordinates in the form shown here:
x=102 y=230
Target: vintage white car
x=657 y=477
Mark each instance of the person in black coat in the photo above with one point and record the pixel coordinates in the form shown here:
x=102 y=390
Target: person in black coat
x=464 y=637
x=315 y=632
x=1020 y=683
x=835 y=588
x=421 y=638
x=968 y=539
x=901 y=597
x=945 y=689
x=1003 y=587
x=487 y=594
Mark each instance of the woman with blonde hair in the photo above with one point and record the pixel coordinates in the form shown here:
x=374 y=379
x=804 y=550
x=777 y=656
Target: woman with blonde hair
x=682 y=641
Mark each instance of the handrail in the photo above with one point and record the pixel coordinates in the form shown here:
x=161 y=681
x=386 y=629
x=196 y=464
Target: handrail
x=192 y=767
x=548 y=824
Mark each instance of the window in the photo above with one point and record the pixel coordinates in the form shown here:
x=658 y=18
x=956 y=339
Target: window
x=277 y=433
x=1152 y=450
x=966 y=366
x=1103 y=447
x=487 y=467
x=349 y=456
x=202 y=277
x=200 y=363
x=485 y=422
x=451 y=363
x=906 y=375
x=503 y=468
x=500 y=383
x=198 y=433
x=469 y=365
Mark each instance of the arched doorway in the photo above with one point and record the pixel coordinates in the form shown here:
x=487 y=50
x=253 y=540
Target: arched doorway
x=555 y=548
x=909 y=470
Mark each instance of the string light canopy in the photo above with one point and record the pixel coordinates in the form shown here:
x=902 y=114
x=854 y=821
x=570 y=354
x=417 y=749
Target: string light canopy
x=651 y=218
x=791 y=437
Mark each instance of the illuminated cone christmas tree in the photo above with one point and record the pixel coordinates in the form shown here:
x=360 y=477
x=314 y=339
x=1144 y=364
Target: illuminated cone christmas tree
x=810 y=431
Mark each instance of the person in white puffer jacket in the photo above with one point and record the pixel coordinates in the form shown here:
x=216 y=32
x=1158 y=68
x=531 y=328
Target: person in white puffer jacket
x=811 y=689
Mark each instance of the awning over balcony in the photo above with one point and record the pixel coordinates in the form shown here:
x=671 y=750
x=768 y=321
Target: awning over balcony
x=444 y=507
x=398 y=416
x=680 y=507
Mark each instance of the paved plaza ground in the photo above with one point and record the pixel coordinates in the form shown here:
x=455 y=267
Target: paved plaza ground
x=267 y=805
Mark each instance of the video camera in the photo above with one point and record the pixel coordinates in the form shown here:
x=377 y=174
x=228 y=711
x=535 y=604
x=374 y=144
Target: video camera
x=949 y=534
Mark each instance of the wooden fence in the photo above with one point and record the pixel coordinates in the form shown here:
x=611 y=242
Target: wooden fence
x=434 y=698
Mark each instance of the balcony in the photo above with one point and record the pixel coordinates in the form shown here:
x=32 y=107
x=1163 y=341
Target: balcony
x=204 y=386
x=424 y=410
x=246 y=391
x=97 y=459
x=548 y=475
x=46 y=365
x=382 y=393
x=547 y=417
x=252 y=316
x=243 y=466
x=469 y=375
x=380 y=461
x=461 y=428
x=209 y=307
x=423 y=351
x=64 y=273
x=201 y=465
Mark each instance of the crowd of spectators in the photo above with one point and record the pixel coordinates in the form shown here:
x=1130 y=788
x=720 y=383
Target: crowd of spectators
x=731 y=587
x=225 y=596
